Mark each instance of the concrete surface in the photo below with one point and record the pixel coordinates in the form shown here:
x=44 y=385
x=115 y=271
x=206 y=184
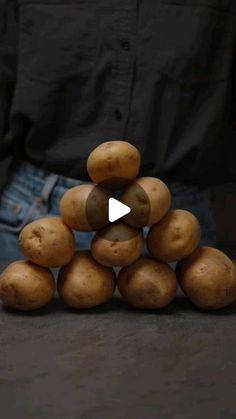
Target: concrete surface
x=114 y=362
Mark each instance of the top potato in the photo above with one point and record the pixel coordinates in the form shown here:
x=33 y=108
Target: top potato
x=113 y=164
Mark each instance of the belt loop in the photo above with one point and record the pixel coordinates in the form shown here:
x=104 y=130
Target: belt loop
x=49 y=185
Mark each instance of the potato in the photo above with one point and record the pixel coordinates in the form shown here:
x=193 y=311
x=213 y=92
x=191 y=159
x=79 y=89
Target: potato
x=47 y=242
x=84 y=283
x=174 y=237
x=149 y=199
x=147 y=284
x=85 y=207
x=113 y=164
x=208 y=278
x=25 y=286
x=117 y=245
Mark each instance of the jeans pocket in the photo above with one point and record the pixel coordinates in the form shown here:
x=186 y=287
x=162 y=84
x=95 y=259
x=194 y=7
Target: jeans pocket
x=13 y=214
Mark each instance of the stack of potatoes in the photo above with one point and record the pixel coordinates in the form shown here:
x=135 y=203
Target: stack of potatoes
x=87 y=277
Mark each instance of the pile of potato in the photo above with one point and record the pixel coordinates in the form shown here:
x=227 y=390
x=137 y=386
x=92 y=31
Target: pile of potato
x=87 y=277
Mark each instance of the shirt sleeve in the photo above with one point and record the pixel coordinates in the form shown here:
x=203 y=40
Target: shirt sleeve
x=8 y=67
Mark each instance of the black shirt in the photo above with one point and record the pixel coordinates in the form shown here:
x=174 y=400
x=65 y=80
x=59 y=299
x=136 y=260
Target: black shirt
x=158 y=73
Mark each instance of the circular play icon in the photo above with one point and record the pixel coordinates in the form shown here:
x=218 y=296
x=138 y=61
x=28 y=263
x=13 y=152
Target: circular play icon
x=105 y=208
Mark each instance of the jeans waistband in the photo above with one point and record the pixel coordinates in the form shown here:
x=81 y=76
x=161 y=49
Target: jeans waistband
x=26 y=169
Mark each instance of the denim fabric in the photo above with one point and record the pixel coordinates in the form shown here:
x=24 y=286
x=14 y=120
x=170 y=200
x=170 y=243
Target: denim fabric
x=32 y=193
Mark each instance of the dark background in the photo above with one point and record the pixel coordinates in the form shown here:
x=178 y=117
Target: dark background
x=224 y=205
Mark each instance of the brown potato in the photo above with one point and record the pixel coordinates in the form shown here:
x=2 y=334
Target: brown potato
x=149 y=199
x=84 y=283
x=85 y=207
x=47 y=242
x=25 y=286
x=147 y=284
x=208 y=278
x=117 y=245
x=114 y=163
x=174 y=237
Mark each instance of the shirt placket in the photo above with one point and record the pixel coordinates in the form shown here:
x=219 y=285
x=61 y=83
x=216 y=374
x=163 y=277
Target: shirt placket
x=125 y=27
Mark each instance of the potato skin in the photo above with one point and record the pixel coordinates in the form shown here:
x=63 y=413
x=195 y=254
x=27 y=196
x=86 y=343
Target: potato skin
x=84 y=207
x=208 y=278
x=117 y=245
x=149 y=198
x=47 y=242
x=114 y=163
x=25 y=286
x=147 y=284
x=84 y=283
x=175 y=237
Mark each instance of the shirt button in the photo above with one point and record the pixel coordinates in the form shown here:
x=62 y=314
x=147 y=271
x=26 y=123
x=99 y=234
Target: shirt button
x=125 y=45
x=118 y=115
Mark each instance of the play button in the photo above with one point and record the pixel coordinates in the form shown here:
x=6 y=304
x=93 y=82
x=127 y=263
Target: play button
x=105 y=208
x=117 y=210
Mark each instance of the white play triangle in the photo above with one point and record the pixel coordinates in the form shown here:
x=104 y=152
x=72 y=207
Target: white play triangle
x=117 y=210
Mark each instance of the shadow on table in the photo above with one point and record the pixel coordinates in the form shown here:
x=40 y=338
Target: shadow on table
x=180 y=305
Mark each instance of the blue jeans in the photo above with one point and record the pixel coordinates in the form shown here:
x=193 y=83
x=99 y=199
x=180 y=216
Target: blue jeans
x=32 y=193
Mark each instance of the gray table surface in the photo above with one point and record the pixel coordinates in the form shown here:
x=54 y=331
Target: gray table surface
x=114 y=362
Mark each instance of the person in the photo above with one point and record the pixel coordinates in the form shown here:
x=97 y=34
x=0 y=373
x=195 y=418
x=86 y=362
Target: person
x=159 y=74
